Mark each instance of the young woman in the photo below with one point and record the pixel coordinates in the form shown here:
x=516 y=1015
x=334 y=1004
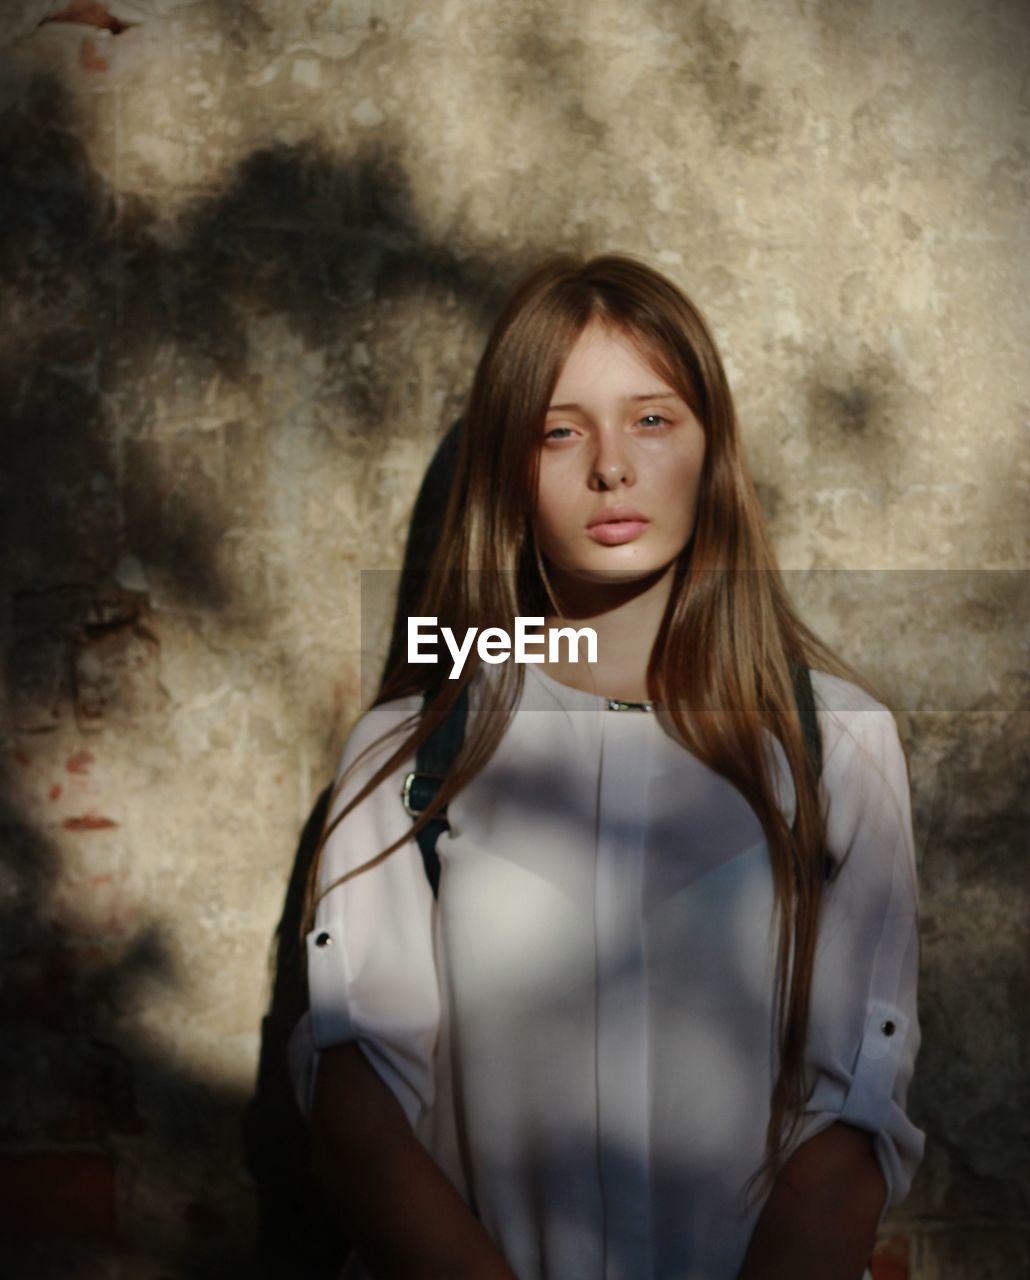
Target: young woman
x=660 y=1019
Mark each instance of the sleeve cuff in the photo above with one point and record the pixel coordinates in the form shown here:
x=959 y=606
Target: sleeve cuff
x=868 y=1099
x=394 y=1021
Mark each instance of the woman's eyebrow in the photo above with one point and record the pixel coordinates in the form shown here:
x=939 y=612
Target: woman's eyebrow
x=647 y=395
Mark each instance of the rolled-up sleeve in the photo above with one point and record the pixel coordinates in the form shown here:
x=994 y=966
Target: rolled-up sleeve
x=370 y=955
x=864 y=1029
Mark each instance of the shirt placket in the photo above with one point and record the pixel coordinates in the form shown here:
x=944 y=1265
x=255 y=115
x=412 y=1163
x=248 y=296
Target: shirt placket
x=622 y=1038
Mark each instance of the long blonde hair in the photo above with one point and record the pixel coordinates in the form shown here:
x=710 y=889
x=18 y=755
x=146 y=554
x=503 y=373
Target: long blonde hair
x=724 y=657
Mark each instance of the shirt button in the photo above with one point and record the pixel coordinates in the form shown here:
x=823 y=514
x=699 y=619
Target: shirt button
x=887 y=1028
x=324 y=940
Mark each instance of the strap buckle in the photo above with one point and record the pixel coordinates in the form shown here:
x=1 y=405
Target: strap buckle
x=410 y=807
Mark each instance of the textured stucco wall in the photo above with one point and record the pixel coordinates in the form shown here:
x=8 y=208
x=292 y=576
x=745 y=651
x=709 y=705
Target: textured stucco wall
x=249 y=252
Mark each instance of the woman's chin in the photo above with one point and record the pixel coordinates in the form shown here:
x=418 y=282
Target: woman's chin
x=582 y=588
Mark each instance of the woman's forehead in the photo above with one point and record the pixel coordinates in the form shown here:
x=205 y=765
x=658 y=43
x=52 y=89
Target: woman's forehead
x=608 y=357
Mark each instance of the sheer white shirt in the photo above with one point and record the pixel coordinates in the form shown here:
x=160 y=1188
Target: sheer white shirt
x=581 y=1029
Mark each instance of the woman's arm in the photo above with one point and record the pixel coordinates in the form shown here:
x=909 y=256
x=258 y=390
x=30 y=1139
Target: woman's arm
x=397 y=1207
x=825 y=1206
x=821 y=1216
x=372 y=979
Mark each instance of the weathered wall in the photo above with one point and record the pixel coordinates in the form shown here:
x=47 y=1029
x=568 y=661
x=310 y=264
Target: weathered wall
x=249 y=253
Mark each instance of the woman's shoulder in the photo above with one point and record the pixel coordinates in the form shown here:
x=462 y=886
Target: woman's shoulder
x=864 y=761
x=382 y=720
x=848 y=712
x=381 y=714
x=836 y=695
x=867 y=800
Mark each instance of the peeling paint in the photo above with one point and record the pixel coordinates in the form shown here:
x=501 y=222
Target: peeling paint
x=80 y=762
x=89 y=13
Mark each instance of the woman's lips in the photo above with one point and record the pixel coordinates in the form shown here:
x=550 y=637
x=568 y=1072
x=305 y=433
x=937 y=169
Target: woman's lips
x=615 y=532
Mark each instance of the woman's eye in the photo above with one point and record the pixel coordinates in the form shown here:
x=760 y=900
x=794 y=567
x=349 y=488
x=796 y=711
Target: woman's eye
x=653 y=420
x=549 y=434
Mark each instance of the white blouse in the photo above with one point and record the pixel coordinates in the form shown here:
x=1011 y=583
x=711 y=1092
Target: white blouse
x=581 y=1029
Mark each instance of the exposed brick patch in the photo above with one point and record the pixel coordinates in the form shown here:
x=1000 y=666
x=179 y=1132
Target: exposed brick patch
x=113 y=663
x=87 y=647
x=49 y=1195
x=890 y=1258
x=88 y=822
x=55 y=791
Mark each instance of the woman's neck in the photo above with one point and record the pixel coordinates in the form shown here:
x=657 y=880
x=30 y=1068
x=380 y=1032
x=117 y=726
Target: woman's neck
x=626 y=618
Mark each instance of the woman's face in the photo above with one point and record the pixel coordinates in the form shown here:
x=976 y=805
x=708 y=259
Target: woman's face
x=620 y=465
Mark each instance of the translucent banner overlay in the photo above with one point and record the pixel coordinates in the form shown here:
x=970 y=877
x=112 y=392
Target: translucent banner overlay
x=932 y=641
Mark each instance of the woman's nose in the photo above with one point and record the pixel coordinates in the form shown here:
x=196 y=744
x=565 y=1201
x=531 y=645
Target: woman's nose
x=610 y=466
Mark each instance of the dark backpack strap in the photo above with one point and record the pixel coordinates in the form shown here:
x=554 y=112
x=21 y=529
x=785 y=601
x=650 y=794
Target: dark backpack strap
x=439 y=751
x=805 y=699
x=432 y=761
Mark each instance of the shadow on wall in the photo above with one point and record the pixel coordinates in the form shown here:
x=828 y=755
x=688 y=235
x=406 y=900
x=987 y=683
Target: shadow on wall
x=295 y=1230
x=94 y=294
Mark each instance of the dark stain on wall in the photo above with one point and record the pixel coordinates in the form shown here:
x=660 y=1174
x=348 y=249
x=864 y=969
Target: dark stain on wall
x=740 y=110
x=862 y=405
x=851 y=408
x=770 y=498
x=545 y=71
